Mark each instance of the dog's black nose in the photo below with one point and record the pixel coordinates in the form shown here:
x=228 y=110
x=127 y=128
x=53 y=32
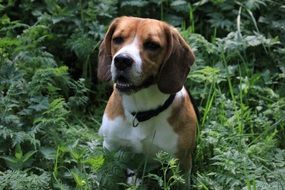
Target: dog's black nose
x=123 y=61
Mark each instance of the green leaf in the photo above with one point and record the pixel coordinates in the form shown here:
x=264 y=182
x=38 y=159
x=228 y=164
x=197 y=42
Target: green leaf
x=12 y=162
x=48 y=152
x=95 y=162
x=80 y=182
x=157 y=178
x=28 y=155
x=134 y=3
x=178 y=3
x=18 y=152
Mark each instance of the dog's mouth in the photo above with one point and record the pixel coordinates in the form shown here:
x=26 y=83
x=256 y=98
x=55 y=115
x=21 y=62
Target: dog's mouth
x=123 y=84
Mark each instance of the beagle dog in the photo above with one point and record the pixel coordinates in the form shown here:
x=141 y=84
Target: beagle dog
x=149 y=110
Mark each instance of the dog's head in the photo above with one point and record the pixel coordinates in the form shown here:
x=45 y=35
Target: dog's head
x=137 y=52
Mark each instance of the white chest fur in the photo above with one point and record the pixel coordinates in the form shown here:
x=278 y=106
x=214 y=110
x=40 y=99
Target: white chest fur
x=148 y=137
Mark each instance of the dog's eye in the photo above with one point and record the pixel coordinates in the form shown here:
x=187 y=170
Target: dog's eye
x=118 y=40
x=151 y=46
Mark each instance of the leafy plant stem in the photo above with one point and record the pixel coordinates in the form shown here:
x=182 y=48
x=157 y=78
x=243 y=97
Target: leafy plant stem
x=209 y=103
x=161 y=11
x=191 y=18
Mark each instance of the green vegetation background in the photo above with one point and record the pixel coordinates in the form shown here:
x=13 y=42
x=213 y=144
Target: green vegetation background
x=51 y=102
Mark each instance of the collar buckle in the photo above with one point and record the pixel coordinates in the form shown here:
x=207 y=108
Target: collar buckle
x=146 y=115
x=135 y=121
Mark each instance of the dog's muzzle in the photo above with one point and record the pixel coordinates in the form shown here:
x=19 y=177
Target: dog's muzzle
x=123 y=64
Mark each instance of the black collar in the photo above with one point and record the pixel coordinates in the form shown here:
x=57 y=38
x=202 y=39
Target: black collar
x=146 y=115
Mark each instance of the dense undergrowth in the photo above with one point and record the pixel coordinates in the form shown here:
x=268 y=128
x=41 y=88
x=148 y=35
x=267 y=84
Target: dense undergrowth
x=51 y=103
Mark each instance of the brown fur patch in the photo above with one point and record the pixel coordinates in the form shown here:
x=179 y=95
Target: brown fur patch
x=114 y=106
x=183 y=119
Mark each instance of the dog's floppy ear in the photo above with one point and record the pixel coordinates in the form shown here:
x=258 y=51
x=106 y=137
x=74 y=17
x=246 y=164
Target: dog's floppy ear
x=176 y=66
x=105 y=56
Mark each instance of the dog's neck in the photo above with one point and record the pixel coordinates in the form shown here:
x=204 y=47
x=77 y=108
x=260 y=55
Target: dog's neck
x=144 y=99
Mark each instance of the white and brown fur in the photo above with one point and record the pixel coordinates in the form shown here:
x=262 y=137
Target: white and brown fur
x=173 y=130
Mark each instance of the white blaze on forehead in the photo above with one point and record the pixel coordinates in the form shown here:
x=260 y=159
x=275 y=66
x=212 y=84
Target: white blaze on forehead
x=133 y=51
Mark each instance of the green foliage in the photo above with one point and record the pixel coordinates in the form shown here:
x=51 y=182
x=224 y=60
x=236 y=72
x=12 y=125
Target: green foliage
x=21 y=180
x=169 y=167
x=20 y=160
x=51 y=103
